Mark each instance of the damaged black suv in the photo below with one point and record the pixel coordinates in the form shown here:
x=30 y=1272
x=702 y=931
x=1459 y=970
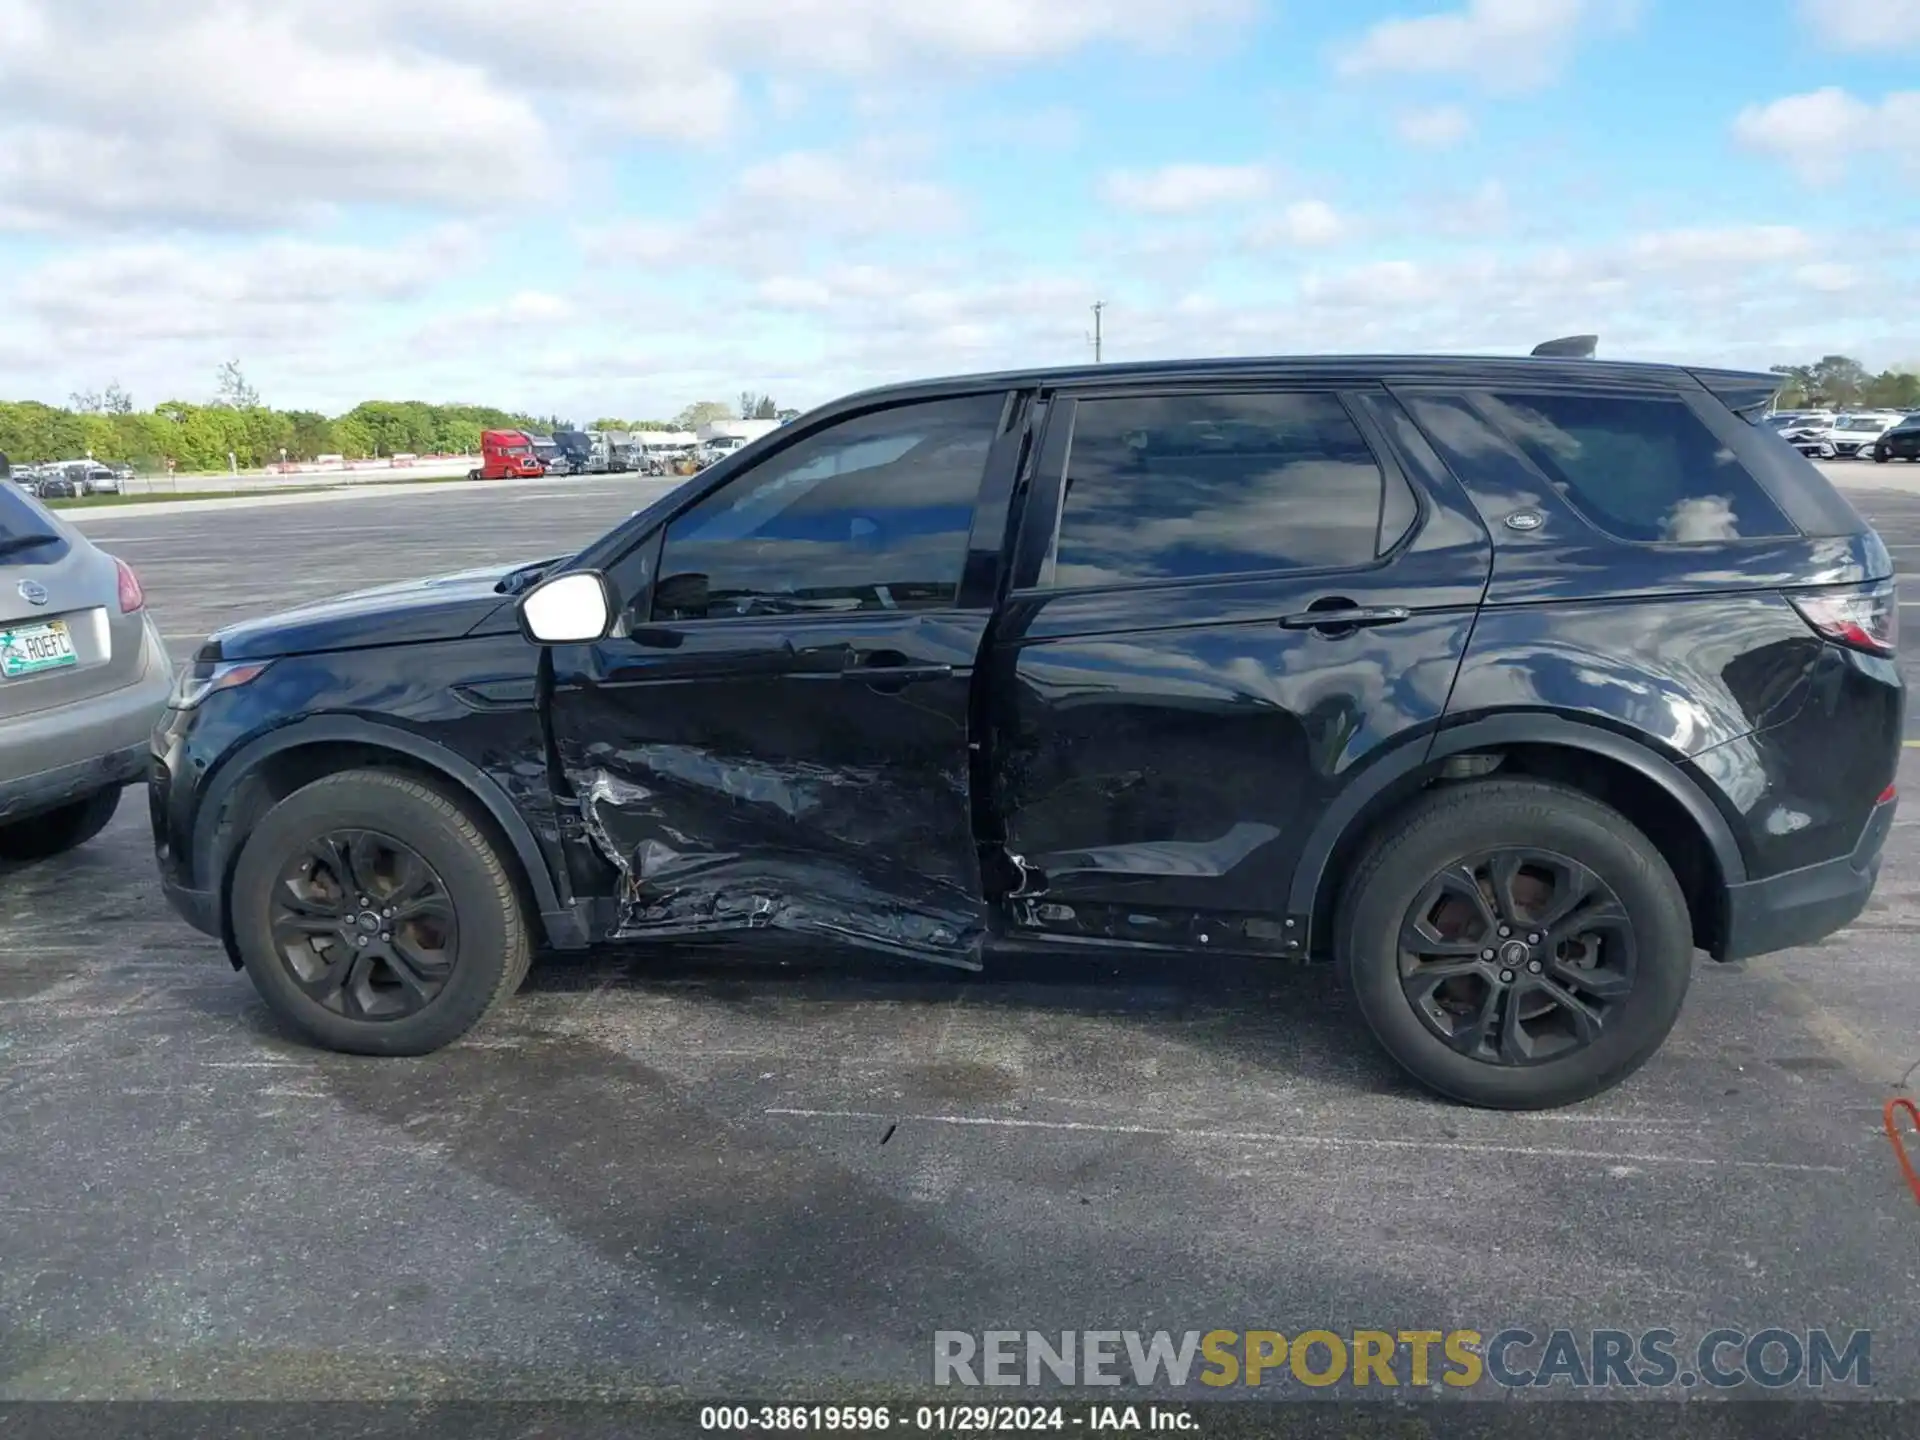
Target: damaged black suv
x=1505 y=683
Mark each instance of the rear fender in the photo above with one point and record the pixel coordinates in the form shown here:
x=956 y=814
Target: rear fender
x=1403 y=771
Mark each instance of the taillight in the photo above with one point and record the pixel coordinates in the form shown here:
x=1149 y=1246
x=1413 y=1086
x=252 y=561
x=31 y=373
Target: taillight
x=1861 y=619
x=131 y=596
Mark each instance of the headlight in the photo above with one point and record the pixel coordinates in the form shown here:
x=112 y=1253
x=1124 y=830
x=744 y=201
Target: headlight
x=201 y=678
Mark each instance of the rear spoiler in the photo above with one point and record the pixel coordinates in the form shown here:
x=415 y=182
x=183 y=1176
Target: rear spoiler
x=1571 y=347
x=1748 y=393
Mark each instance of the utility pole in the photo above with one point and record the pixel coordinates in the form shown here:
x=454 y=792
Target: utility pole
x=1098 y=306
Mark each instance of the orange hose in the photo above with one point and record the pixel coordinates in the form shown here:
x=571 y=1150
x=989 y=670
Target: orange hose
x=1899 y=1143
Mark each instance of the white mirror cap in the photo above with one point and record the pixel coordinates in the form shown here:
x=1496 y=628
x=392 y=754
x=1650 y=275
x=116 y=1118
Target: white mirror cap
x=567 y=610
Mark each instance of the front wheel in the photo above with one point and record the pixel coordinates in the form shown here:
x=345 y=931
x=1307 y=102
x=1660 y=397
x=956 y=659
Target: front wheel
x=375 y=917
x=1516 y=944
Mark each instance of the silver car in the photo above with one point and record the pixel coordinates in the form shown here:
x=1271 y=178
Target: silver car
x=83 y=677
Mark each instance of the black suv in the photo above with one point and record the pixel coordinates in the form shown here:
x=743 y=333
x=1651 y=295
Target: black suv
x=1902 y=442
x=1506 y=683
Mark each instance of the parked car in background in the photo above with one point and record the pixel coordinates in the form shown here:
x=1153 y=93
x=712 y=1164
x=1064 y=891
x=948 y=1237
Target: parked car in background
x=1899 y=442
x=98 y=479
x=1785 y=420
x=57 y=485
x=1276 y=658
x=83 y=677
x=1853 y=434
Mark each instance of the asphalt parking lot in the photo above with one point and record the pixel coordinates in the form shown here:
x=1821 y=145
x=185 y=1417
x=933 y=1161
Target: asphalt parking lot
x=727 y=1178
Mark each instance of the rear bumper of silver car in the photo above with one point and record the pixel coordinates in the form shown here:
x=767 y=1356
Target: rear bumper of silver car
x=50 y=758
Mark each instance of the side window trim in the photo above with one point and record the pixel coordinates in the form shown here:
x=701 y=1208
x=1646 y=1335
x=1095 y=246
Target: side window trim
x=655 y=540
x=1039 y=540
x=1481 y=400
x=1392 y=472
x=1039 y=536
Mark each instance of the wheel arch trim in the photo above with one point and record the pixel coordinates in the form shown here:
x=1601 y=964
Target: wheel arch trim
x=1337 y=821
x=558 y=914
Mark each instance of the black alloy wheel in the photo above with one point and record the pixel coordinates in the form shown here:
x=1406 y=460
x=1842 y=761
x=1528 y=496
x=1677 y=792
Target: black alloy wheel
x=1516 y=956
x=365 y=926
x=1514 y=942
x=375 y=915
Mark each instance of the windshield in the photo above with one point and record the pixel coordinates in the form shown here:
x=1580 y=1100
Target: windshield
x=1858 y=423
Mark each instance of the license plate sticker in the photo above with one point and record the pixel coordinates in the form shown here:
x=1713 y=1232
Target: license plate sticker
x=29 y=649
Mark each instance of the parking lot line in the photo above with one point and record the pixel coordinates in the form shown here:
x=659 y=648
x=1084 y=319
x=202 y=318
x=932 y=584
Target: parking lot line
x=1321 y=1142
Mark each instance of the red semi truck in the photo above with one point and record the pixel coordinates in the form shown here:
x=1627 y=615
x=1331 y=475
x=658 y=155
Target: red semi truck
x=506 y=455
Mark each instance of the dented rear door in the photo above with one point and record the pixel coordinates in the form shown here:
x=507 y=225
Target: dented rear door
x=777 y=735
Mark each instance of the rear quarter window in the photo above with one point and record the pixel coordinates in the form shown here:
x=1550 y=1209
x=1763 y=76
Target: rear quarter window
x=1641 y=468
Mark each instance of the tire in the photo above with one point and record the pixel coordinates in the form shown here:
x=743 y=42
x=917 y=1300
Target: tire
x=41 y=837
x=491 y=947
x=473 y=474
x=1448 y=827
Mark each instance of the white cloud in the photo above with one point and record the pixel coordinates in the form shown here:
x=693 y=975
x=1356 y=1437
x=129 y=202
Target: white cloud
x=160 y=316
x=782 y=206
x=1185 y=189
x=1820 y=132
x=1502 y=45
x=1863 y=24
x=226 y=116
x=1304 y=224
x=1434 y=127
x=259 y=113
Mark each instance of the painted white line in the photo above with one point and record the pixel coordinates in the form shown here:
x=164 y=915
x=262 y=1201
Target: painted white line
x=1319 y=1142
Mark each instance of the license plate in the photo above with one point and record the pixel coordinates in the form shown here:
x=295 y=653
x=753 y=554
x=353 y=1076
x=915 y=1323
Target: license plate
x=29 y=649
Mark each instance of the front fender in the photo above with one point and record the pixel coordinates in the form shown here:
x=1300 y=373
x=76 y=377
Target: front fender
x=562 y=918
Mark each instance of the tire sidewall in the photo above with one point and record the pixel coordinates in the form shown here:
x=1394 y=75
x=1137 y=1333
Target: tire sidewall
x=399 y=812
x=1613 y=851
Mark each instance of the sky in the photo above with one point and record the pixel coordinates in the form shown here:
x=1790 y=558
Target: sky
x=623 y=206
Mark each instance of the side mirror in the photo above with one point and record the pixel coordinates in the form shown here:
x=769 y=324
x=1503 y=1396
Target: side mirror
x=682 y=596
x=571 y=609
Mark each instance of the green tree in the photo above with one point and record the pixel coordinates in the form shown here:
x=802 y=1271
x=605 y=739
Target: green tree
x=701 y=412
x=233 y=390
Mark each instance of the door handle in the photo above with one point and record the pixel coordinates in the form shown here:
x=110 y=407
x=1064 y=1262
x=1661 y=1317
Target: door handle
x=1346 y=617
x=890 y=667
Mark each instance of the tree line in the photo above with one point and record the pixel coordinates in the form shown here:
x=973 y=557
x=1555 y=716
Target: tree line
x=1839 y=382
x=237 y=424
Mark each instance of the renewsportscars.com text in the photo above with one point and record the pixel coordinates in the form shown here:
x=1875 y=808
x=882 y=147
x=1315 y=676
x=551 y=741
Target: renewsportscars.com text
x=1772 y=1358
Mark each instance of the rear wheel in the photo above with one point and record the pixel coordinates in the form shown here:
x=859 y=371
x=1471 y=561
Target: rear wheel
x=1516 y=944
x=41 y=837
x=375 y=917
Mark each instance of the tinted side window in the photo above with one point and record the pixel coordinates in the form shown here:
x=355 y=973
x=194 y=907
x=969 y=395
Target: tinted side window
x=1179 y=487
x=870 y=514
x=1640 y=469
